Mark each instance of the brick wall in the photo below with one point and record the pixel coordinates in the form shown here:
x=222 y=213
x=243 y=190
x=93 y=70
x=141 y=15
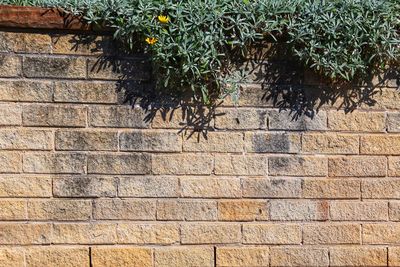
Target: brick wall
x=89 y=181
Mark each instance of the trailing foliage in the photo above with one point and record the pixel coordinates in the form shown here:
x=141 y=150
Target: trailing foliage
x=200 y=45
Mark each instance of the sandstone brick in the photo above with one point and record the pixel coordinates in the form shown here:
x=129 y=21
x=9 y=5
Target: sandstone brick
x=384 y=98
x=186 y=210
x=357 y=166
x=148 y=233
x=380 y=144
x=381 y=233
x=299 y=210
x=10 y=66
x=119 y=164
x=240 y=119
x=381 y=188
x=242 y=256
x=254 y=95
x=356 y=121
x=184 y=257
x=10 y=162
x=26 y=139
x=85 y=186
x=261 y=142
x=197 y=164
x=211 y=187
x=54 y=116
x=214 y=142
x=118 y=116
x=393 y=122
x=116 y=69
x=330 y=143
x=285 y=120
x=241 y=165
x=26 y=42
x=243 y=210
x=298 y=166
x=271 y=187
x=394 y=210
x=57 y=256
x=394 y=166
x=124 y=209
x=299 y=256
x=331 y=234
x=86 y=140
x=202 y=233
x=11 y=114
x=54 y=67
x=12 y=210
x=85 y=92
x=161 y=141
x=26 y=91
x=394 y=256
x=359 y=211
x=25 y=234
x=59 y=210
x=358 y=256
x=84 y=233
x=25 y=186
x=277 y=234
x=54 y=163
x=148 y=187
x=121 y=256
x=331 y=188
x=72 y=44
x=12 y=257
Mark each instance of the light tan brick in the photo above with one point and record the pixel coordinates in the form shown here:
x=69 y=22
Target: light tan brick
x=54 y=163
x=25 y=234
x=124 y=209
x=261 y=142
x=356 y=121
x=186 y=210
x=359 y=211
x=59 y=210
x=202 y=233
x=380 y=145
x=277 y=234
x=242 y=256
x=240 y=119
x=148 y=187
x=243 y=210
x=84 y=233
x=357 y=166
x=358 y=256
x=26 y=42
x=12 y=210
x=241 y=165
x=11 y=114
x=12 y=186
x=271 y=187
x=57 y=256
x=137 y=163
x=197 y=164
x=52 y=116
x=11 y=257
x=174 y=118
x=121 y=256
x=10 y=162
x=211 y=187
x=331 y=234
x=148 y=233
x=394 y=256
x=213 y=142
x=394 y=210
x=54 y=67
x=394 y=166
x=331 y=188
x=381 y=188
x=85 y=92
x=117 y=69
x=26 y=91
x=10 y=66
x=161 y=141
x=85 y=186
x=118 y=116
x=298 y=210
x=26 y=139
x=299 y=256
x=393 y=122
x=330 y=143
x=72 y=44
x=184 y=257
x=298 y=166
x=381 y=233
x=286 y=120
x=86 y=140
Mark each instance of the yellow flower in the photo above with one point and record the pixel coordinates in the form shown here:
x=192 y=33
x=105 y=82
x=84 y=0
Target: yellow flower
x=151 y=40
x=163 y=19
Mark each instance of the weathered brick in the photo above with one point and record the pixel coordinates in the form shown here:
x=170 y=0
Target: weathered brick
x=11 y=114
x=57 y=256
x=72 y=44
x=161 y=141
x=243 y=210
x=380 y=144
x=148 y=187
x=394 y=166
x=357 y=166
x=25 y=234
x=118 y=116
x=149 y=233
x=12 y=210
x=54 y=67
x=119 y=164
x=116 y=69
x=85 y=186
x=26 y=42
x=241 y=165
x=393 y=122
x=330 y=143
x=277 y=234
x=394 y=256
x=197 y=164
x=202 y=233
x=253 y=95
x=240 y=119
x=271 y=188
x=331 y=188
x=381 y=188
x=358 y=211
x=86 y=140
x=298 y=210
x=85 y=92
x=59 y=210
x=121 y=256
x=184 y=257
x=25 y=186
x=10 y=162
x=358 y=256
x=214 y=142
x=211 y=187
x=186 y=210
x=124 y=209
x=299 y=256
x=10 y=66
x=242 y=256
x=383 y=98
x=26 y=91
x=285 y=120
x=12 y=257
x=84 y=233
x=356 y=121
x=381 y=233
x=54 y=163
x=174 y=118
x=394 y=210
x=331 y=234
x=54 y=116
x=26 y=139
x=261 y=142
x=298 y=166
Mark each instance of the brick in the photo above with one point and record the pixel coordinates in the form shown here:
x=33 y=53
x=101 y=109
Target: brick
x=330 y=143
x=12 y=257
x=186 y=210
x=214 y=142
x=26 y=42
x=211 y=187
x=175 y=118
x=11 y=114
x=298 y=166
x=10 y=66
x=394 y=210
x=10 y=162
x=86 y=140
x=381 y=188
x=124 y=209
x=16 y=186
x=356 y=121
x=331 y=234
x=394 y=166
x=197 y=164
x=116 y=69
x=26 y=139
x=59 y=210
x=358 y=256
x=148 y=187
x=54 y=67
x=26 y=91
x=202 y=233
x=394 y=256
x=260 y=142
x=331 y=188
x=240 y=119
x=85 y=186
x=57 y=256
x=85 y=92
x=299 y=210
x=84 y=233
x=298 y=256
x=359 y=211
x=54 y=116
x=277 y=234
x=149 y=233
x=357 y=166
x=72 y=44
x=153 y=141
x=184 y=257
x=286 y=120
x=381 y=233
x=254 y=95
x=380 y=145
x=242 y=256
x=25 y=234
x=383 y=98
x=54 y=163
x=12 y=210
x=393 y=122
x=121 y=256
x=271 y=187
x=118 y=116
x=119 y=164
x=241 y=165
x=243 y=210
